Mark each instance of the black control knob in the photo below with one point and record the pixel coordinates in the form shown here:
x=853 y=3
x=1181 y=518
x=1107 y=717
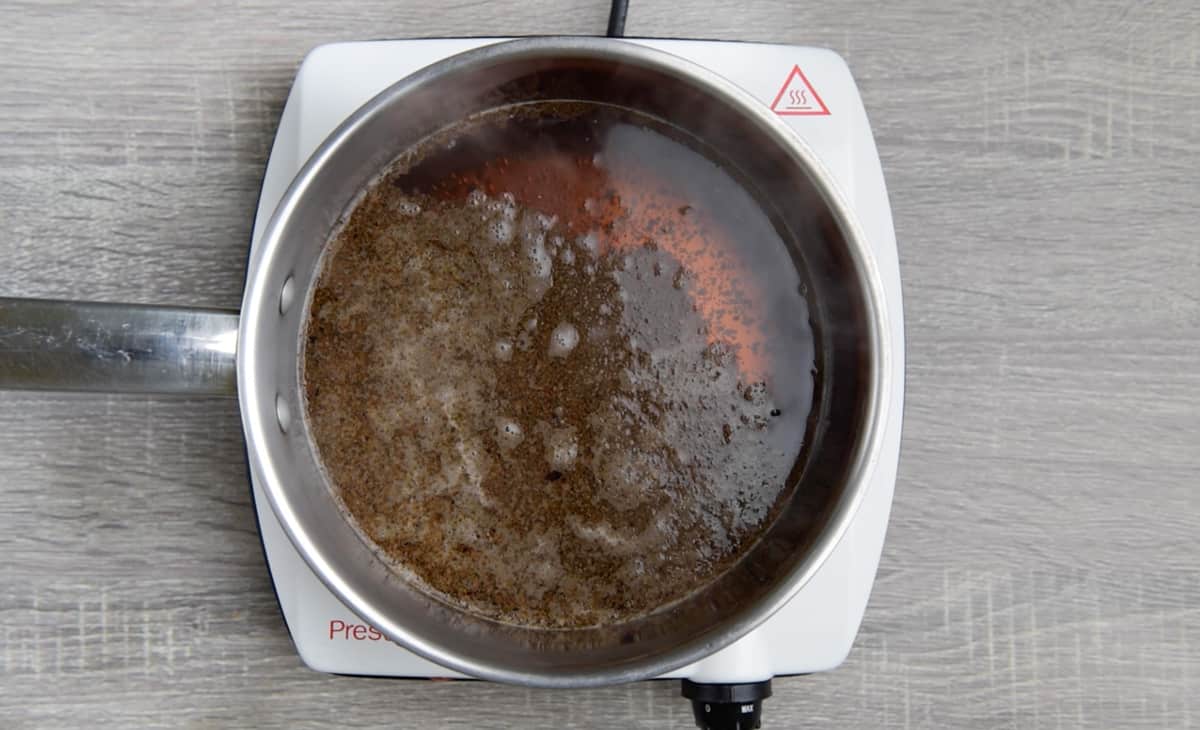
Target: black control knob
x=727 y=706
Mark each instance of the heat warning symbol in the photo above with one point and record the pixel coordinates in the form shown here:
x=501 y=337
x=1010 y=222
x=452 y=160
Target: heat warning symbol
x=797 y=97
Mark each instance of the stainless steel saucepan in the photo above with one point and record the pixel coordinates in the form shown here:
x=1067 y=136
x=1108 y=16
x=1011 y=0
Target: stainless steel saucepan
x=102 y=347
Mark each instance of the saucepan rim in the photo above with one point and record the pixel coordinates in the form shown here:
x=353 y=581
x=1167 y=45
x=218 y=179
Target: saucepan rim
x=257 y=397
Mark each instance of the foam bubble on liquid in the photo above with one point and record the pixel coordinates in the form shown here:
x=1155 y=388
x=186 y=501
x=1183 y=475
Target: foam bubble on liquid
x=562 y=448
x=501 y=231
x=476 y=198
x=534 y=239
x=539 y=286
x=509 y=433
x=589 y=243
x=563 y=340
x=476 y=465
x=599 y=532
x=541 y=266
x=503 y=350
x=624 y=542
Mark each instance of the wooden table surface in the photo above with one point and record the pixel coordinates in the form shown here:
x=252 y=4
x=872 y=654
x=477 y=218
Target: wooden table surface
x=1041 y=568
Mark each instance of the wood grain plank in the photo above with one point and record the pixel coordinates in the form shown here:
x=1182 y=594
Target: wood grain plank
x=1041 y=568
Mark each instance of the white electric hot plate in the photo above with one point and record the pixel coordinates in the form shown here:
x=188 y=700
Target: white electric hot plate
x=812 y=91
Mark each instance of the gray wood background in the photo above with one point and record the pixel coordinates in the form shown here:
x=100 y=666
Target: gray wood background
x=1042 y=567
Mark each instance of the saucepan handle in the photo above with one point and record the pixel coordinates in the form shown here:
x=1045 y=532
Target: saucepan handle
x=116 y=348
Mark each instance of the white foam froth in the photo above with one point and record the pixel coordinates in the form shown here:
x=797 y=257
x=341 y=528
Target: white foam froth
x=541 y=266
x=501 y=231
x=509 y=433
x=590 y=243
x=563 y=340
x=562 y=448
x=503 y=350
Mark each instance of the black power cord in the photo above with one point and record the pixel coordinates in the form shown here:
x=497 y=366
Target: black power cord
x=616 y=18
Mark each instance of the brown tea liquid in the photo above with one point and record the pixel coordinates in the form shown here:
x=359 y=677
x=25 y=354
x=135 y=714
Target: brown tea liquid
x=559 y=367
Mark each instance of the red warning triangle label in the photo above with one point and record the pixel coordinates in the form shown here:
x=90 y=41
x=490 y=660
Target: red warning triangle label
x=797 y=97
